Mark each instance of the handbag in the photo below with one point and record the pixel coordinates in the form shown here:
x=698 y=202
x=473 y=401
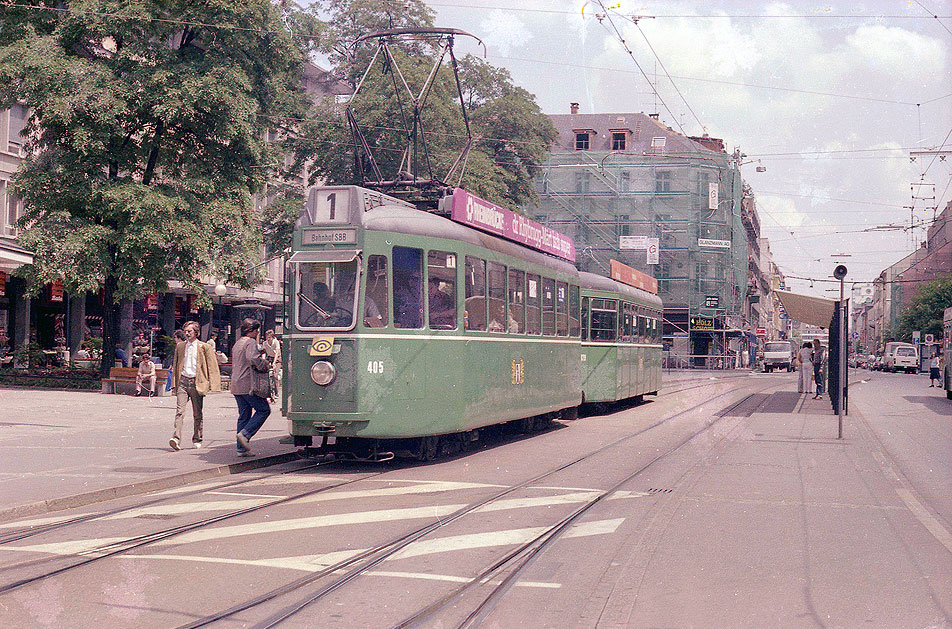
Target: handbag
x=260 y=378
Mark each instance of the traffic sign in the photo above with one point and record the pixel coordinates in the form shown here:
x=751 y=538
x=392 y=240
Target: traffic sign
x=930 y=339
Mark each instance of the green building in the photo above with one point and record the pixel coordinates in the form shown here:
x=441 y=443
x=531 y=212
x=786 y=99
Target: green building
x=615 y=181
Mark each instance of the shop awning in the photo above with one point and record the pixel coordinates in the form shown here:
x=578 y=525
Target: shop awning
x=816 y=311
x=13 y=256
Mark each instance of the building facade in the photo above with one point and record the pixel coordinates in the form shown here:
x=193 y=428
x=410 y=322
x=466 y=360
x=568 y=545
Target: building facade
x=614 y=182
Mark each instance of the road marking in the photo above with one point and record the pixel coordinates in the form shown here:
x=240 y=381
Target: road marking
x=620 y=495
x=541 y=501
x=922 y=514
x=15 y=524
x=238 y=493
x=74 y=547
x=190 y=507
x=428 y=487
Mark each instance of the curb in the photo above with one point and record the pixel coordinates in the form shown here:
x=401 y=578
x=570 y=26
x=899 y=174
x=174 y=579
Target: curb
x=143 y=487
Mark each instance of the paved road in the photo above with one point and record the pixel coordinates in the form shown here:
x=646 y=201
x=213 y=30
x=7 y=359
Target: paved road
x=724 y=503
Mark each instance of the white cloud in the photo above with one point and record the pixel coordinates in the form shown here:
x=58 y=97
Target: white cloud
x=504 y=31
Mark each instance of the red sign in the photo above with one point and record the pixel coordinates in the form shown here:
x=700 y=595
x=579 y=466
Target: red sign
x=469 y=209
x=193 y=304
x=761 y=331
x=633 y=277
x=3 y=284
x=56 y=290
x=152 y=302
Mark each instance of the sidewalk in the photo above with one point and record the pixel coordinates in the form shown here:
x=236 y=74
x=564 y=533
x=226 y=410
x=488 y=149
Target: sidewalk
x=61 y=449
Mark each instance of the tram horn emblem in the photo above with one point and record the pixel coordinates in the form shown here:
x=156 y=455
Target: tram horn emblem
x=321 y=346
x=518 y=371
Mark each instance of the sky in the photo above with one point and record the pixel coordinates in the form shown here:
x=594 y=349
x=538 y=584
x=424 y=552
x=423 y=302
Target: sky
x=831 y=99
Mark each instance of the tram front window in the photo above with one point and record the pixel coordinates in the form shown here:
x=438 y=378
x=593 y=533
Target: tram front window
x=326 y=295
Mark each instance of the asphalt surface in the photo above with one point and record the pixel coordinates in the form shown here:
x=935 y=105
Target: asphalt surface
x=722 y=503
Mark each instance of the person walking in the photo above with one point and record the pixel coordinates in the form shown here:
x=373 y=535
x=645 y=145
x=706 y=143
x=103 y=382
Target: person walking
x=934 y=370
x=245 y=355
x=805 y=356
x=271 y=347
x=196 y=373
x=819 y=356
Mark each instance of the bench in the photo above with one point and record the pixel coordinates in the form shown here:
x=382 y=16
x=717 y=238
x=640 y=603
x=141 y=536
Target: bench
x=123 y=376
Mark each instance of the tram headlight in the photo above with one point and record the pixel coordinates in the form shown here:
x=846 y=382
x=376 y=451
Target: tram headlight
x=323 y=373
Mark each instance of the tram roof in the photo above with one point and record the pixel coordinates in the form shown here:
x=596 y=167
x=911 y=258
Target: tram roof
x=599 y=282
x=416 y=222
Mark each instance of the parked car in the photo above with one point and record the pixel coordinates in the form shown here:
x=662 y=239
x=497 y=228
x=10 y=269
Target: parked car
x=902 y=356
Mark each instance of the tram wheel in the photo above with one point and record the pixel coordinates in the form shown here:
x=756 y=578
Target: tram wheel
x=429 y=448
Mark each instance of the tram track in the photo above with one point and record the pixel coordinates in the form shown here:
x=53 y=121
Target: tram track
x=358 y=565
x=117 y=548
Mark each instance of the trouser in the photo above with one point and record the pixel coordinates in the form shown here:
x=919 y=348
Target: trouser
x=804 y=384
x=818 y=378
x=249 y=424
x=183 y=393
x=140 y=378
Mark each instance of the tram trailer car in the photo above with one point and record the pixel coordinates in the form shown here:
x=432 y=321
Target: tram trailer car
x=458 y=329
x=621 y=340
x=947 y=351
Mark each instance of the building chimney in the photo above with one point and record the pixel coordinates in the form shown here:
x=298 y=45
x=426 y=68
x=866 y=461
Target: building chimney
x=574 y=107
x=654 y=116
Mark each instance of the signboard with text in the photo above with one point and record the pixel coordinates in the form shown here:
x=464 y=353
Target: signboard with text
x=469 y=209
x=711 y=243
x=654 y=256
x=56 y=291
x=712 y=200
x=3 y=284
x=702 y=324
x=633 y=277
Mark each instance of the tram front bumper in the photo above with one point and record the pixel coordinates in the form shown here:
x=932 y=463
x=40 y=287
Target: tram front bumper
x=342 y=427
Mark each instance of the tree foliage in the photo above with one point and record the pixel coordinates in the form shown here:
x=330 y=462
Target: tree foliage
x=512 y=134
x=924 y=312
x=147 y=137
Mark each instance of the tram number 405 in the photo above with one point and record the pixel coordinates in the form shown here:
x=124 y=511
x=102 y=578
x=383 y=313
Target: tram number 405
x=375 y=366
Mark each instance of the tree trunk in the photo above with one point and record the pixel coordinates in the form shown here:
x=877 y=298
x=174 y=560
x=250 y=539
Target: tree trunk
x=110 y=326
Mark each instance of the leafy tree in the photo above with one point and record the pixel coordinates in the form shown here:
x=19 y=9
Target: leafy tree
x=147 y=138
x=924 y=312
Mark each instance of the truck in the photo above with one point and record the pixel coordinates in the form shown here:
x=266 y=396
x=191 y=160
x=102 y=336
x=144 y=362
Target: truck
x=902 y=356
x=778 y=355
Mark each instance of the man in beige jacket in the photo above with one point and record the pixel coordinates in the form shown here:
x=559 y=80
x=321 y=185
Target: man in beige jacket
x=195 y=373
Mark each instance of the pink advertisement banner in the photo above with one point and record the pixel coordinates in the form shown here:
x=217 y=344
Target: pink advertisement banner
x=469 y=209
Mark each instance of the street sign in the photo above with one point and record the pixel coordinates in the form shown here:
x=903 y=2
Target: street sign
x=653 y=255
x=930 y=339
x=916 y=337
x=712 y=196
x=711 y=301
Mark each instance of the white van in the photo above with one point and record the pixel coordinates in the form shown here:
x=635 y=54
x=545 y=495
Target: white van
x=778 y=355
x=901 y=356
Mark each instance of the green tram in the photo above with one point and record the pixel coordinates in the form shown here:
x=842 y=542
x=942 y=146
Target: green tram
x=406 y=333
x=621 y=340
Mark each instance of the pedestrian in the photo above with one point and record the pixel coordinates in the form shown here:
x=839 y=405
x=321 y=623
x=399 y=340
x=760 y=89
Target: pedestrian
x=819 y=356
x=934 y=370
x=805 y=356
x=196 y=373
x=122 y=356
x=213 y=341
x=146 y=372
x=177 y=337
x=245 y=356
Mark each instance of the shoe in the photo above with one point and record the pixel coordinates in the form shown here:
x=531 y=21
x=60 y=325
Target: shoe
x=245 y=453
x=151 y=393
x=243 y=441
x=138 y=393
x=175 y=444
x=197 y=445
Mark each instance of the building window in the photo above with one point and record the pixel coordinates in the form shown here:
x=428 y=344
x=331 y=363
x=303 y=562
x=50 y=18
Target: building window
x=17 y=124
x=623 y=227
x=619 y=140
x=582 y=182
x=624 y=181
x=13 y=210
x=663 y=181
x=581 y=141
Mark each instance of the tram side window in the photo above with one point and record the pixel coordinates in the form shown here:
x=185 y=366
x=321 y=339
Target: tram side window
x=548 y=307
x=407 y=288
x=441 y=289
x=533 y=300
x=517 y=301
x=562 y=305
x=604 y=319
x=584 y=318
x=474 y=315
x=627 y=323
x=574 y=327
x=376 y=303
x=497 y=298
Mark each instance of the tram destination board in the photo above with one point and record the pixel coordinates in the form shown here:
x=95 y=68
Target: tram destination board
x=329 y=237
